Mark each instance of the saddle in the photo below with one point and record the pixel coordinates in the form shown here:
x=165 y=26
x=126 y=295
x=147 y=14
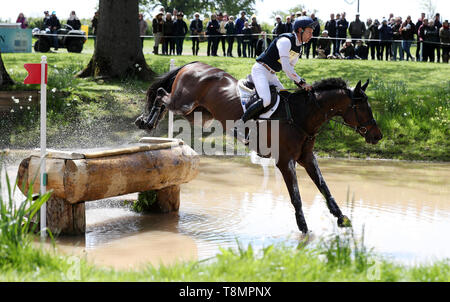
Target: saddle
x=247 y=92
x=248 y=82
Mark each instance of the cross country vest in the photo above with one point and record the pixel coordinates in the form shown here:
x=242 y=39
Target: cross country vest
x=271 y=57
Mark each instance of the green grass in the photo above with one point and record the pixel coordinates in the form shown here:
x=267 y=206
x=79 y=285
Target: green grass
x=410 y=100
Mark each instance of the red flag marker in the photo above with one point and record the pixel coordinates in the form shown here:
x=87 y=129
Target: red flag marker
x=34 y=74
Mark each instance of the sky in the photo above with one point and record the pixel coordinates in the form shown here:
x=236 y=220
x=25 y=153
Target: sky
x=264 y=8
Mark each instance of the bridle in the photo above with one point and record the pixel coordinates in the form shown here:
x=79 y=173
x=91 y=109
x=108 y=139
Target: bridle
x=361 y=127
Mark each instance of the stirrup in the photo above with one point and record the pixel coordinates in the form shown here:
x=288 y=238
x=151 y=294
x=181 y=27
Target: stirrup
x=239 y=134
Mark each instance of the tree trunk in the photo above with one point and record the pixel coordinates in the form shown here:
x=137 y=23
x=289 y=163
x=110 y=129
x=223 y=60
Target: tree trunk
x=118 y=51
x=5 y=79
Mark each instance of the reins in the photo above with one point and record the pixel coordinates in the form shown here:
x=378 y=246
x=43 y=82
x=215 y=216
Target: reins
x=360 y=128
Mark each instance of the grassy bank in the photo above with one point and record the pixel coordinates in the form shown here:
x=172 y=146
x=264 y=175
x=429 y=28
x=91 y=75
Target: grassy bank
x=410 y=100
x=275 y=263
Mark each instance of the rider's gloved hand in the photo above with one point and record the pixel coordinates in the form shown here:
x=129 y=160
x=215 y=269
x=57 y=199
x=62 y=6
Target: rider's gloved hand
x=303 y=85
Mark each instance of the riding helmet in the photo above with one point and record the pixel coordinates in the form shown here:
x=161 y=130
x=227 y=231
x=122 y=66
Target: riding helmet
x=304 y=22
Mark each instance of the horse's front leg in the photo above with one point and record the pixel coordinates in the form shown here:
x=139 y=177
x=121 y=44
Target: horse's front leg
x=287 y=169
x=309 y=162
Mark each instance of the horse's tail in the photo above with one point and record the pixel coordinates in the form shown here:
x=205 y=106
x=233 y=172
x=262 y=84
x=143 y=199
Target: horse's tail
x=163 y=81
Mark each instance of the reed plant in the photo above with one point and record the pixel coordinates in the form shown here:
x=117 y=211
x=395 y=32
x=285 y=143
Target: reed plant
x=17 y=221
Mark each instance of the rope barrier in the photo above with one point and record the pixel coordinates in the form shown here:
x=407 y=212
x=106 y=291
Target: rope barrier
x=243 y=35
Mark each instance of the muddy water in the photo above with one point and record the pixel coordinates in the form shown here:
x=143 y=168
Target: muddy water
x=403 y=206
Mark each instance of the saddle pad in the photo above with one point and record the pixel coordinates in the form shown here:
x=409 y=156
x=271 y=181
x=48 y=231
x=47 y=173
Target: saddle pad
x=245 y=93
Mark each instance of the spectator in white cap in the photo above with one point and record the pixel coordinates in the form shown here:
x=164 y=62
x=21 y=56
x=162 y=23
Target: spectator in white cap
x=74 y=21
x=347 y=50
x=279 y=26
x=324 y=45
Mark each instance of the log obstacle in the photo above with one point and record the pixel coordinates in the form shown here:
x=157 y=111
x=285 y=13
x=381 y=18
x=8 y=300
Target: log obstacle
x=80 y=176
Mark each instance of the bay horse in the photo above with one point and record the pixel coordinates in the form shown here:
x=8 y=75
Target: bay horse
x=199 y=87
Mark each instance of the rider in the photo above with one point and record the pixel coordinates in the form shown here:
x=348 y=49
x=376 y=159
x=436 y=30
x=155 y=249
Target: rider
x=282 y=54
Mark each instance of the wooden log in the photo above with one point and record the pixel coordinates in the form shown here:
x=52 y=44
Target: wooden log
x=79 y=180
x=65 y=218
x=167 y=200
x=76 y=178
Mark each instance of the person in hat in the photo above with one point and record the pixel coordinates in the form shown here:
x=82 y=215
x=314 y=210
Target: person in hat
x=348 y=51
x=324 y=45
x=196 y=28
x=158 y=30
x=45 y=20
x=279 y=28
x=180 y=31
x=73 y=21
x=361 y=50
x=282 y=54
x=54 y=24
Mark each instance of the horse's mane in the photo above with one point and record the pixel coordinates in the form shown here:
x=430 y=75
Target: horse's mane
x=330 y=84
x=324 y=85
x=303 y=98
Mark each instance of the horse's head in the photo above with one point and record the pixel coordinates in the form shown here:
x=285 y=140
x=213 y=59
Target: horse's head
x=359 y=115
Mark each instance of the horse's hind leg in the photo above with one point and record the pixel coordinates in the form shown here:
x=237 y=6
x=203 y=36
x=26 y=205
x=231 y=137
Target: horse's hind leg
x=309 y=162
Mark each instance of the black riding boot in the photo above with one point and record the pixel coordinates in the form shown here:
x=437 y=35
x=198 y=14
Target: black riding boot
x=253 y=110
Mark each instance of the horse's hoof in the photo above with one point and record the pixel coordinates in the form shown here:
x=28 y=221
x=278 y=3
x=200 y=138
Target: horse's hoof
x=161 y=92
x=139 y=122
x=303 y=229
x=344 y=222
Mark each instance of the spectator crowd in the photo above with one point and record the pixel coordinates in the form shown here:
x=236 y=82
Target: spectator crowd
x=337 y=38
x=390 y=39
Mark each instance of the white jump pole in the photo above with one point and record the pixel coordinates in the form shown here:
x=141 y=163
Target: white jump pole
x=170 y=132
x=43 y=174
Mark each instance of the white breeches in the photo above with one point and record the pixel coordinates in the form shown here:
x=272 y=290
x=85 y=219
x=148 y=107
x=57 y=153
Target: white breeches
x=262 y=78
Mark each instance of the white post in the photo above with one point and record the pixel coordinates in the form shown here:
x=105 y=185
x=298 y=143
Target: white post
x=265 y=41
x=170 y=132
x=43 y=173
